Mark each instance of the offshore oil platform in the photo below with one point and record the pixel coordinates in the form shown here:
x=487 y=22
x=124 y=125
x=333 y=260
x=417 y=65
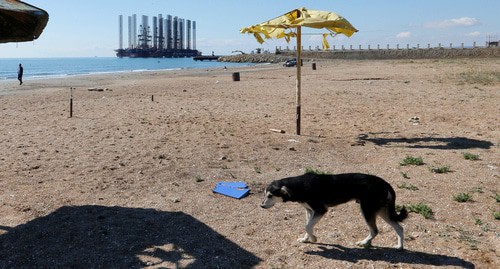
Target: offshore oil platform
x=171 y=37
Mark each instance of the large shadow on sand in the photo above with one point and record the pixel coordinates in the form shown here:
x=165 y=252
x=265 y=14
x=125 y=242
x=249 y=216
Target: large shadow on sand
x=390 y=255
x=117 y=237
x=444 y=143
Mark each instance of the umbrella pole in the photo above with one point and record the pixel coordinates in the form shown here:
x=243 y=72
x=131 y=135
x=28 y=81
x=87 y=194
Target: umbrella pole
x=299 y=64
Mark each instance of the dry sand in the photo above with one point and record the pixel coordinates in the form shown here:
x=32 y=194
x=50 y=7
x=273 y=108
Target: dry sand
x=127 y=181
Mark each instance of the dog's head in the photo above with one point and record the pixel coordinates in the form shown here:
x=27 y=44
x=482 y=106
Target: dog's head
x=275 y=192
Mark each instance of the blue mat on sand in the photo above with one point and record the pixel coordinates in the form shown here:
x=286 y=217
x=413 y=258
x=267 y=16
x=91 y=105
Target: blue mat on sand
x=232 y=189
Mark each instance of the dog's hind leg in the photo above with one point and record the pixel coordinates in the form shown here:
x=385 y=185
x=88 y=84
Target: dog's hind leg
x=371 y=221
x=396 y=226
x=309 y=213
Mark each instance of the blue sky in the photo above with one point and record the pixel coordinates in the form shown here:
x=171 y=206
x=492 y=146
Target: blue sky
x=89 y=28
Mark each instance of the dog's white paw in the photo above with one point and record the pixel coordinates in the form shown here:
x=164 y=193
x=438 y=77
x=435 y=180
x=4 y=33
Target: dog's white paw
x=303 y=240
x=364 y=244
x=307 y=239
x=400 y=247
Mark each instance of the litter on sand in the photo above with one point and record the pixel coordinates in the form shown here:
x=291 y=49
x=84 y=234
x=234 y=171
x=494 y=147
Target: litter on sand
x=278 y=131
x=236 y=190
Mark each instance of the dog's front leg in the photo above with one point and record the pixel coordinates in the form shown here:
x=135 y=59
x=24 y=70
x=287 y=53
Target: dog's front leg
x=313 y=218
x=309 y=214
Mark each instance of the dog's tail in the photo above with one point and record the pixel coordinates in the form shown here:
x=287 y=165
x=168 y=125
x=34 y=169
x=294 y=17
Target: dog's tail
x=393 y=215
x=403 y=214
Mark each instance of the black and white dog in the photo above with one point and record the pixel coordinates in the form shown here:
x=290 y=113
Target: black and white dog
x=317 y=192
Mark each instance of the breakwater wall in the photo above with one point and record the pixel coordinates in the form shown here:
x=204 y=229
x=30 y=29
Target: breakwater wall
x=376 y=54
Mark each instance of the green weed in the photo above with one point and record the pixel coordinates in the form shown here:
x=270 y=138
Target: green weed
x=462 y=197
x=496 y=215
x=470 y=156
x=477 y=190
x=257 y=170
x=468 y=238
x=439 y=169
x=410 y=160
x=316 y=171
x=405 y=175
x=408 y=187
x=421 y=209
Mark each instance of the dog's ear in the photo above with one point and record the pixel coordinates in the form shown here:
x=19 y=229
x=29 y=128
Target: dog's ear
x=285 y=192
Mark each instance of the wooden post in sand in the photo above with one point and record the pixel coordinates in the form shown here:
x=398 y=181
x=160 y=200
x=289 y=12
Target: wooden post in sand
x=236 y=76
x=71 y=102
x=299 y=61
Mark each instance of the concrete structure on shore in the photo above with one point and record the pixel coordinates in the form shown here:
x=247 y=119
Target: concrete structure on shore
x=382 y=54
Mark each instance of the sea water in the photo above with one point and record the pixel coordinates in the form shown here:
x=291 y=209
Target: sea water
x=39 y=68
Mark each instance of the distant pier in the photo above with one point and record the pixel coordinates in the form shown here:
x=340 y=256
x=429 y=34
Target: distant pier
x=206 y=58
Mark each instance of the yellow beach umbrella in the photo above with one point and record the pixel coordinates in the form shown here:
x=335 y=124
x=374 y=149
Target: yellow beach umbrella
x=282 y=27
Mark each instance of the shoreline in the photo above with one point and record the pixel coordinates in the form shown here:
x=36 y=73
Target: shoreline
x=86 y=80
x=48 y=68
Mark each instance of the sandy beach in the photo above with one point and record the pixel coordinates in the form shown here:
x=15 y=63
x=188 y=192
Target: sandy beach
x=127 y=181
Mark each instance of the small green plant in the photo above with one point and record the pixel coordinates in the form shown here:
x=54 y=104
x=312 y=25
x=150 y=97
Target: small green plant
x=497 y=197
x=408 y=187
x=468 y=238
x=477 y=190
x=470 y=156
x=405 y=175
x=496 y=215
x=257 y=169
x=462 y=197
x=421 y=209
x=485 y=227
x=316 y=171
x=410 y=160
x=439 y=169
x=199 y=179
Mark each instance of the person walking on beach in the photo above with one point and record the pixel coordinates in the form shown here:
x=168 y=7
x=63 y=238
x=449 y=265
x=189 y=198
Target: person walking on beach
x=20 y=71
